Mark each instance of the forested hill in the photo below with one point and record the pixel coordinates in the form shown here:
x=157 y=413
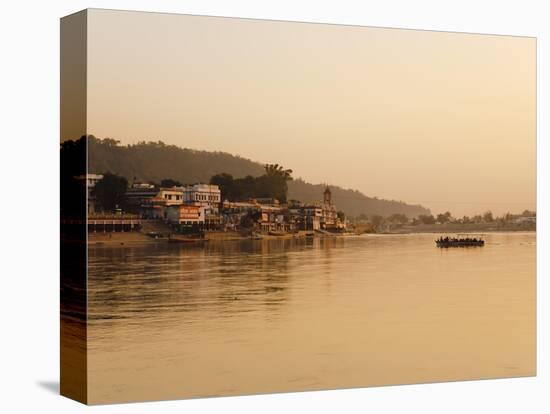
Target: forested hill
x=352 y=202
x=155 y=161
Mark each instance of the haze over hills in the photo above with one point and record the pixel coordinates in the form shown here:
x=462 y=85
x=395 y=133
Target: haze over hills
x=154 y=161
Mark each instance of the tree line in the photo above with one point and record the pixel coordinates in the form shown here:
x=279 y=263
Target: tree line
x=155 y=161
x=378 y=221
x=110 y=191
x=272 y=184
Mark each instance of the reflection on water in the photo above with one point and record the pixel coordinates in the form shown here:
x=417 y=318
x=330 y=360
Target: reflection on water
x=171 y=321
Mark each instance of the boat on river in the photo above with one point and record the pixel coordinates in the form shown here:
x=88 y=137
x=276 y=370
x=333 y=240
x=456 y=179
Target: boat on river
x=460 y=241
x=186 y=239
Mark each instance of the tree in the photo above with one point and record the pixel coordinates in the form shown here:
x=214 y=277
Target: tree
x=444 y=218
x=376 y=220
x=397 y=218
x=488 y=217
x=362 y=217
x=250 y=219
x=107 y=141
x=110 y=191
x=426 y=219
x=276 y=170
x=73 y=190
x=273 y=184
x=152 y=162
x=169 y=183
x=294 y=203
x=226 y=184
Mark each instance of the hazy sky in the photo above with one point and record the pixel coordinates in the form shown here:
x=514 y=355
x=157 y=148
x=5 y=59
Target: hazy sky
x=442 y=119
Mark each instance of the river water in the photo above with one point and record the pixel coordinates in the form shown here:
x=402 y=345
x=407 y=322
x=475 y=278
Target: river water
x=169 y=321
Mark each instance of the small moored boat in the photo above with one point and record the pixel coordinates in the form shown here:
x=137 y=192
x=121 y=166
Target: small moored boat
x=184 y=239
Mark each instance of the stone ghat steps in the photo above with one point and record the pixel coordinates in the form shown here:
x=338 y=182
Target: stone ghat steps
x=150 y=226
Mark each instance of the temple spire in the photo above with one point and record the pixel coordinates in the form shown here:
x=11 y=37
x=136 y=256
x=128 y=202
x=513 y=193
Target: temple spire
x=327 y=196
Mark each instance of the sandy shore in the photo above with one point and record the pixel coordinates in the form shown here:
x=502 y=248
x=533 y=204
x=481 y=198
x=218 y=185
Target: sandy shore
x=121 y=238
x=125 y=238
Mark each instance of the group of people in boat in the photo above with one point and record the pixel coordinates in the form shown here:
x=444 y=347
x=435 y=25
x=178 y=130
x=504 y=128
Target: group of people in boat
x=459 y=240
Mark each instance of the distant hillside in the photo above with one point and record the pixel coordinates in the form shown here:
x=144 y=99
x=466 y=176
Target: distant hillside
x=352 y=202
x=154 y=161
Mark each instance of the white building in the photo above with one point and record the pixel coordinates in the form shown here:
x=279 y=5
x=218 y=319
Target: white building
x=312 y=216
x=156 y=207
x=172 y=196
x=205 y=195
x=90 y=180
x=186 y=214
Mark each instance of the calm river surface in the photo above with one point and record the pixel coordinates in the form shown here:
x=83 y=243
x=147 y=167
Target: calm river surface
x=168 y=321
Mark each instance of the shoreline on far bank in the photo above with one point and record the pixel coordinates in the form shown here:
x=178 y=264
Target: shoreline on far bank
x=136 y=237
x=451 y=228
x=133 y=238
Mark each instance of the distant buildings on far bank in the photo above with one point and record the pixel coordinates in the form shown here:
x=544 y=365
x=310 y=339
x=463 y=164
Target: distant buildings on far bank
x=268 y=215
x=200 y=207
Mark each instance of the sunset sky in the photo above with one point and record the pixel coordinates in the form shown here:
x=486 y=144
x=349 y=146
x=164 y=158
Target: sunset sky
x=446 y=120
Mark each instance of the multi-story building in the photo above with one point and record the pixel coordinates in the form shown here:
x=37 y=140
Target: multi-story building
x=205 y=195
x=138 y=194
x=186 y=215
x=317 y=216
x=233 y=213
x=154 y=202
x=311 y=217
x=90 y=180
x=172 y=196
x=330 y=220
x=155 y=207
x=272 y=218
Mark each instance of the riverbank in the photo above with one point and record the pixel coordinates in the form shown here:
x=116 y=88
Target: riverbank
x=460 y=228
x=233 y=235
x=124 y=238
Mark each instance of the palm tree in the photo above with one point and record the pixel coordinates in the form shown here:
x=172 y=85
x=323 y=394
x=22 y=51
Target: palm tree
x=276 y=170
